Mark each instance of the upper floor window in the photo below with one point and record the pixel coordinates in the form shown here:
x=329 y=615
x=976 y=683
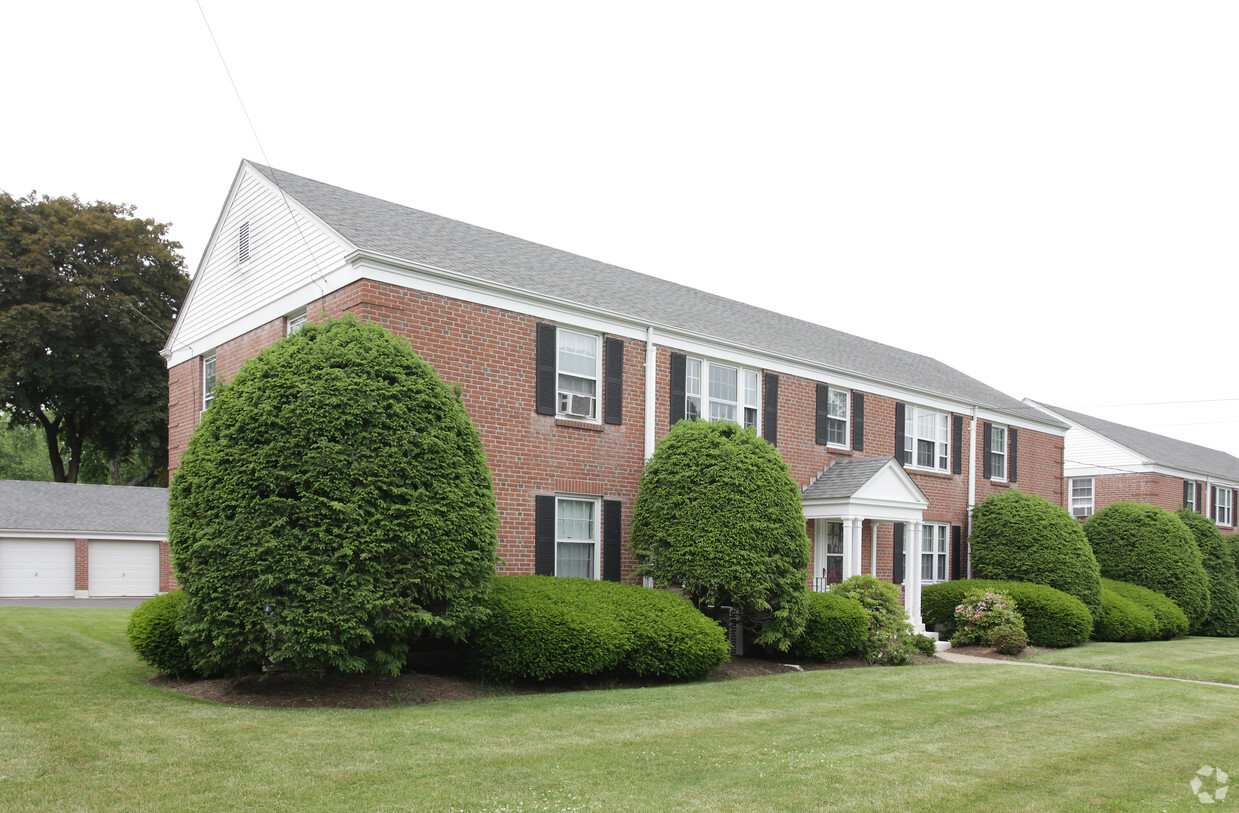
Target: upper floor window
x=927 y=438
x=837 y=417
x=576 y=537
x=1082 y=497
x=998 y=452
x=1223 y=510
x=578 y=370
x=296 y=322
x=934 y=549
x=720 y=392
x=1191 y=496
x=208 y=380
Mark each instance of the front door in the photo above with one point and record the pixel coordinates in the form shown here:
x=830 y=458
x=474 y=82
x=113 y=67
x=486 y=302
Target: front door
x=827 y=554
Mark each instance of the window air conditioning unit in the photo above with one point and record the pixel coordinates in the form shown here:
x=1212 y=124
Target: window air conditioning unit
x=576 y=406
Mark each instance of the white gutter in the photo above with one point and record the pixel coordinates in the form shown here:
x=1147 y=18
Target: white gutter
x=972 y=480
x=651 y=390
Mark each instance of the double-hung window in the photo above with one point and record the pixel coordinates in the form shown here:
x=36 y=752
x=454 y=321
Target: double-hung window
x=1191 y=496
x=927 y=438
x=576 y=537
x=998 y=452
x=837 y=417
x=577 y=374
x=208 y=380
x=721 y=392
x=934 y=550
x=296 y=322
x=1223 y=511
x=1082 y=497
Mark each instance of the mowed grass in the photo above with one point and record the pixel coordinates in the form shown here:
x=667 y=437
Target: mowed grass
x=1193 y=658
x=81 y=729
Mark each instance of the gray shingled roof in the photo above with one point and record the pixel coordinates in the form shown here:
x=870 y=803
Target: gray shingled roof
x=378 y=226
x=1177 y=454
x=30 y=506
x=844 y=479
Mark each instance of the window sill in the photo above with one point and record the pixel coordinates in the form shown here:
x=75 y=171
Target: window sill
x=568 y=422
x=945 y=475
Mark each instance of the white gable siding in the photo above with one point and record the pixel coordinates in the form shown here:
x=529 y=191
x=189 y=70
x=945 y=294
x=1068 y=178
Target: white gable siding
x=284 y=255
x=1087 y=453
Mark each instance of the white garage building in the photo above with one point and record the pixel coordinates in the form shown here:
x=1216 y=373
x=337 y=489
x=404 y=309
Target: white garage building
x=70 y=539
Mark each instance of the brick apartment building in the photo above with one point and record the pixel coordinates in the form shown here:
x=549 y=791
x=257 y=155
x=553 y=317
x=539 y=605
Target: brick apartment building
x=572 y=370
x=1107 y=462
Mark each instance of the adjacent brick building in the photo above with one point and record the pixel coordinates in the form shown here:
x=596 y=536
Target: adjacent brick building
x=1107 y=462
x=572 y=369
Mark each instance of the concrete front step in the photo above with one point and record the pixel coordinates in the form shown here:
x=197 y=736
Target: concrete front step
x=941 y=645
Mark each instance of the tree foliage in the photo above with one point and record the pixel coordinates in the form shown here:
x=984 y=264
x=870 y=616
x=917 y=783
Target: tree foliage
x=333 y=504
x=1026 y=538
x=719 y=513
x=1142 y=544
x=1219 y=564
x=88 y=293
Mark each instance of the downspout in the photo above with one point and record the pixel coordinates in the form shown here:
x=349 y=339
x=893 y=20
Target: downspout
x=972 y=481
x=651 y=391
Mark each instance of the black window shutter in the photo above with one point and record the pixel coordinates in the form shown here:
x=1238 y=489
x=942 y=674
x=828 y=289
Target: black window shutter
x=957 y=552
x=546 y=369
x=899 y=433
x=897 y=555
x=613 y=392
x=544 y=535
x=770 y=410
x=1013 y=449
x=611 y=540
x=822 y=413
x=1234 y=505
x=1186 y=486
x=1212 y=506
x=858 y=421
x=679 y=368
x=987 y=433
x=957 y=444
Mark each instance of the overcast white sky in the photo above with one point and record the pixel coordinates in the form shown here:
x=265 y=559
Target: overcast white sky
x=1042 y=195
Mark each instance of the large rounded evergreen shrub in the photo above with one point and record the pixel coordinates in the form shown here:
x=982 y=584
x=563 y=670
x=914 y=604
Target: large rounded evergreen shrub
x=1051 y=617
x=1219 y=564
x=719 y=513
x=837 y=626
x=333 y=503
x=1142 y=544
x=154 y=632
x=1025 y=538
x=546 y=628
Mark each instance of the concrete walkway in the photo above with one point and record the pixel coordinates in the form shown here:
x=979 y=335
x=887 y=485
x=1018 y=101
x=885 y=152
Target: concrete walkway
x=75 y=603
x=955 y=657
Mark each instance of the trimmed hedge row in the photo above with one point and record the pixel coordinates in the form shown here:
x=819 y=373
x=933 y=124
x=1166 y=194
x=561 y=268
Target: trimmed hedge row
x=154 y=632
x=1123 y=619
x=545 y=628
x=837 y=626
x=1219 y=563
x=1051 y=617
x=1171 y=620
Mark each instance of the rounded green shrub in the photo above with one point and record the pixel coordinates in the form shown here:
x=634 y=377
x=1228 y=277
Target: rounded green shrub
x=333 y=504
x=889 y=638
x=1142 y=544
x=1026 y=538
x=1171 y=621
x=1123 y=619
x=547 y=628
x=1219 y=564
x=154 y=632
x=837 y=626
x=980 y=613
x=719 y=514
x=1008 y=639
x=1051 y=617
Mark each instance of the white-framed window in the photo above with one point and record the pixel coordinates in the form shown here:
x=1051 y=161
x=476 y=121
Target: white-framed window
x=927 y=438
x=832 y=567
x=296 y=322
x=997 y=452
x=577 y=372
x=1223 y=511
x=935 y=550
x=837 y=416
x=576 y=537
x=1191 y=497
x=208 y=380
x=721 y=392
x=1081 y=497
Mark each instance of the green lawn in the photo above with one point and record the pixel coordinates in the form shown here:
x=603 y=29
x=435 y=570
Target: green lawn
x=80 y=729
x=1196 y=658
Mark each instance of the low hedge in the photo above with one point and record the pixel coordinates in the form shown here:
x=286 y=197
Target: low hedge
x=1171 y=620
x=154 y=632
x=837 y=626
x=1123 y=619
x=546 y=628
x=1051 y=617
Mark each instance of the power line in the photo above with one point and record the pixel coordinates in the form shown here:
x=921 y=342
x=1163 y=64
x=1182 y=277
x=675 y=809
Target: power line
x=1164 y=403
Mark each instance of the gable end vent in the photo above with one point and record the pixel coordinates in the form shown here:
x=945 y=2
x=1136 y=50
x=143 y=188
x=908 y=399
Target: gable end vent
x=243 y=243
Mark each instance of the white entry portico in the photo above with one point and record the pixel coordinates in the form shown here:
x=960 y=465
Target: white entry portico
x=876 y=489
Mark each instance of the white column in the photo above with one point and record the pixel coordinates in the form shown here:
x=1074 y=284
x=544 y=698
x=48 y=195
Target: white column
x=850 y=566
x=912 y=550
x=857 y=542
x=873 y=548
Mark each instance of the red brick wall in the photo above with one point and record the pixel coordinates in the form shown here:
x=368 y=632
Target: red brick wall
x=1161 y=490
x=490 y=353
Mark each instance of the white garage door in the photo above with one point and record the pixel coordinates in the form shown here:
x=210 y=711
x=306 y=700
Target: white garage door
x=124 y=568
x=36 y=567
